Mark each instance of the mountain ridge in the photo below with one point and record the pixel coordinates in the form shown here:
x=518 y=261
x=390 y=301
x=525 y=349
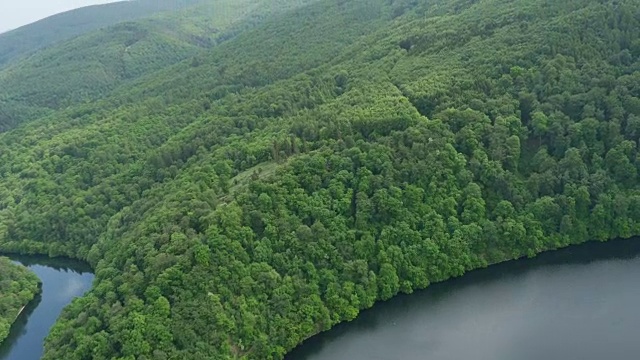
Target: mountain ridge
x=94 y=64
x=28 y=38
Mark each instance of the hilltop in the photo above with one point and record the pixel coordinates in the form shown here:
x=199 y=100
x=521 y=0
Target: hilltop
x=93 y=64
x=17 y=43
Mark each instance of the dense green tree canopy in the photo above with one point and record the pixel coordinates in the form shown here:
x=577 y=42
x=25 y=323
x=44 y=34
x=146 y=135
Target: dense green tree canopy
x=325 y=157
x=18 y=286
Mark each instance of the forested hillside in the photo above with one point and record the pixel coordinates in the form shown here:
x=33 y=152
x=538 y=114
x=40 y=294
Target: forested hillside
x=89 y=67
x=25 y=40
x=268 y=188
x=18 y=286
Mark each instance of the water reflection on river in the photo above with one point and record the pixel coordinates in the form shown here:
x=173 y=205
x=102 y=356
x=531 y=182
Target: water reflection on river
x=62 y=281
x=579 y=303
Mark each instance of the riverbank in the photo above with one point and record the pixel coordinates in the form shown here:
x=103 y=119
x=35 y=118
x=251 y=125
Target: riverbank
x=23 y=308
x=575 y=293
x=18 y=287
x=20 y=311
x=61 y=281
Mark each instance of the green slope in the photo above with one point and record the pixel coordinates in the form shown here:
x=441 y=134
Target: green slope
x=93 y=65
x=235 y=204
x=27 y=39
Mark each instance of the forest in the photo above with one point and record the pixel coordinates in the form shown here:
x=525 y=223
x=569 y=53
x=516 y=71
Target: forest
x=88 y=67
x=319 y=157
x=18 y=286
x=26 y=40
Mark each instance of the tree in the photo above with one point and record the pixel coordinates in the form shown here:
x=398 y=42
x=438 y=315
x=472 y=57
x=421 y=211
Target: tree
x=388 y=281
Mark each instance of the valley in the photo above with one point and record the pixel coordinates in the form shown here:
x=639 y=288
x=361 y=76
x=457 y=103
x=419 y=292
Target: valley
x=242 y=181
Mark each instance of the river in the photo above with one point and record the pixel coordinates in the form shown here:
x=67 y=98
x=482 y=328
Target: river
x=62 y=281
x=578 y=303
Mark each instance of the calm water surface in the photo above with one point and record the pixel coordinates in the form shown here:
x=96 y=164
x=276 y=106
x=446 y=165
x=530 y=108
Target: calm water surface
x=62 y=281
x=579 y=303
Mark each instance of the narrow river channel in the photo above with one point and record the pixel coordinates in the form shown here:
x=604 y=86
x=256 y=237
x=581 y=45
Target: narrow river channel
x=579 y=303
x=62 y=281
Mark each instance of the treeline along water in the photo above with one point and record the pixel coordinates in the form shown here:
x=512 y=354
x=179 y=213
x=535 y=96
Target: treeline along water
x=575 y=303
x=62 y=281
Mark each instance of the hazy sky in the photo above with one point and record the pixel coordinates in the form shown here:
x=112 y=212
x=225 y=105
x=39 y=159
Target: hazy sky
x=15 y=13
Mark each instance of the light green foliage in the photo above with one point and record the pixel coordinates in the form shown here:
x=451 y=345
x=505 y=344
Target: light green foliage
x=257 y=193
x=97 y=63
x=23 y=41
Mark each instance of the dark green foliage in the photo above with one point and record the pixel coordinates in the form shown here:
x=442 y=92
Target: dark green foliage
x=18 y=286
x=236 y=203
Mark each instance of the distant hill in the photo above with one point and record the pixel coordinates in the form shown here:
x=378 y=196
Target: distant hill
x=17 y=43
x=92 y=65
